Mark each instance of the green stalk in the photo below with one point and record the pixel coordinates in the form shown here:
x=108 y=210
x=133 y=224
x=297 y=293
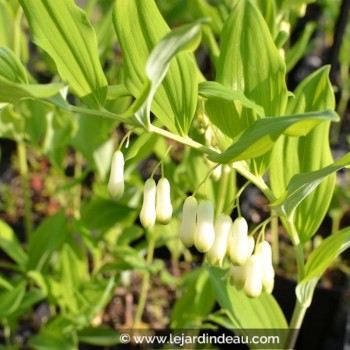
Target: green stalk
x=258 y=181
x=222 y=190
x=181 y=139
x=274 y=239
x=23 y=170
x=145 y=282
x=295 y=324
x=299 y=309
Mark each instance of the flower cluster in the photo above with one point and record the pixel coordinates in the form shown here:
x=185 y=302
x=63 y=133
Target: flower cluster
x=156 y=204
x=251 y=267
x=156 y=197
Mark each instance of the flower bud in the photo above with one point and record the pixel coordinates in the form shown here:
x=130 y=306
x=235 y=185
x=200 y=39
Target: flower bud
x=188 y=223
x=116 y=179
x=253 y=281
x=263 y=249
x=204 y=235
x=217 y=252
x=239 y=242
x=148 y=210
x=237 y=276
x=164 y=209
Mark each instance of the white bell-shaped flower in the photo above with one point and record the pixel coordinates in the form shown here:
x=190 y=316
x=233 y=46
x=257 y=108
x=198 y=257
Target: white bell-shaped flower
x=189 y=221
x=116 y=178
x=239 y=242
x=204 y=235
x=164 y=209
x=148 y=210
x=217 y=252
x=263 y=249
x=253 y=276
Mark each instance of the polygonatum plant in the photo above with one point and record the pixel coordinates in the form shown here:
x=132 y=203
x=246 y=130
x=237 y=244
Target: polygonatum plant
x=241 y=120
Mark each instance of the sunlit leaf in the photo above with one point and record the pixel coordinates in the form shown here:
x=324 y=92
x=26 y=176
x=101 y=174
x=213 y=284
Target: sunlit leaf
x=262 y=134
x=319 y=261
x=11 y=68
x=302 y=185
x=62 y=29
x=196 y=301
x=295 y=155
x=140 y=27
x=214 y=90
x=322 y=257
x=248 y=314
x=13 y=92
x=249 y=62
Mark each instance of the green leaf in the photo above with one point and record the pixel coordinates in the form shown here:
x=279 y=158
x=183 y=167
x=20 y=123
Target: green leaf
x=214 y=90
x=13 y=92
x=62 y=29
x=12 y=125
x=319 y=260
x=102 y=213
x=296 y=155
x=47 y=238
x=35 y=113
x=301 y=185
x=262 y=134
x=322 y=257
x=52 y=341
x=10 y=244
x=60 y=129
x=99 y=336
x=57 y=334
x=71 y=279
x=11 y=300
x=98 y=293
x=140 y=27
x=5 y=284
x=249 y=62
x=269 y=11
x=11 y=67
x=196 y=302
x=31 y=298
x=6 y=20
x=99 y=150
x=247 y=313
